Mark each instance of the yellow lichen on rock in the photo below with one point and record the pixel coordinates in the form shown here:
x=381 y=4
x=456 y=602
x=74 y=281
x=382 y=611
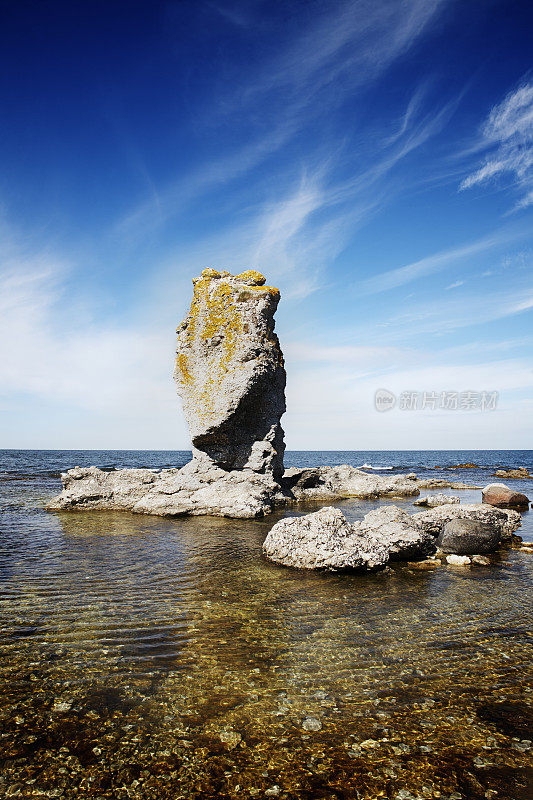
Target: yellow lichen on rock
x=210 y=273
x=214 y=312
x=251 y=277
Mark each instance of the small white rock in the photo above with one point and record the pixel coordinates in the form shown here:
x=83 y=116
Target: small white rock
x=458 y=561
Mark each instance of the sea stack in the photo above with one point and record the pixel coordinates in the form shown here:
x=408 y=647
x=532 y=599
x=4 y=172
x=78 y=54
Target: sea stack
x=230 y=373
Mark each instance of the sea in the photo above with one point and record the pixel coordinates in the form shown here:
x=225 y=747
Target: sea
x=150 y=657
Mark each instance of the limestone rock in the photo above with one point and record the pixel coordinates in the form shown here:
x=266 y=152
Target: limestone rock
x=202 y=487
x=230 y=373
x=326 y=540
x=434 y=520
x=468 y=537
x=92 y=488
x=501 y=496
x=171 y=492
x=322 y=540
x=434 y=500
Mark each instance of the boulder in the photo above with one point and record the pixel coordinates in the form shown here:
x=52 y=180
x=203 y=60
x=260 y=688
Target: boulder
x=230 y=373
x=501 y=496
x=326 y=540
x=504 y=521
x=468 y=537
x=434 y=500
x=321 y=540
x=394 y=528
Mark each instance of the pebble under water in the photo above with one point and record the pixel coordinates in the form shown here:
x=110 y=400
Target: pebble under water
x=145 y=657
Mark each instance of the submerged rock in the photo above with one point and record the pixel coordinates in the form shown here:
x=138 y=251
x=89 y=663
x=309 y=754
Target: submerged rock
x=501 y=496
x=434 y=500
x=230 y=373
x=326 y=540
x=468 y=537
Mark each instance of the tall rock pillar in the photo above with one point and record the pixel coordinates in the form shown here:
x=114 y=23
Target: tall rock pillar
x=230 y=373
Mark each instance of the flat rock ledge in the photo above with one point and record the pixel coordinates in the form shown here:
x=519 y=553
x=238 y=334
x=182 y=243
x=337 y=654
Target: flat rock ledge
x=199 y=490
x=326 y=540
x=171 y=492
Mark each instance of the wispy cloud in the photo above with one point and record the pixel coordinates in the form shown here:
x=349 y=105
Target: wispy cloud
x=507 y=135
x=342 y=51
x=357 y=41
x=437 y=262
x=455 y=285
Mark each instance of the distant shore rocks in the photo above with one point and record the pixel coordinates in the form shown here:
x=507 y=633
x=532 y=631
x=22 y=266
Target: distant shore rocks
x=513 y=472
x=468 y=465
x=434 y=500
x=501 y=496
x=466 y=537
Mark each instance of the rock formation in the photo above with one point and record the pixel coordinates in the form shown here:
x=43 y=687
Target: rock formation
x=230 y=373
x=231 y=378
x=329 y=483
x=326 y=540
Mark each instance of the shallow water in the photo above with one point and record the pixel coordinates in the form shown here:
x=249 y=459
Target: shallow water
x=157 y=658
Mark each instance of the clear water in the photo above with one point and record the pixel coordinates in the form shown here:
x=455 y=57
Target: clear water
x=145 y=657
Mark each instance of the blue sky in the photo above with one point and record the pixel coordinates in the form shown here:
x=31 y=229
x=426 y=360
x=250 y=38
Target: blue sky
x=373 y=159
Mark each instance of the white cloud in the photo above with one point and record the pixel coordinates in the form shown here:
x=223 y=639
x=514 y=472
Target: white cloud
x=508 y=136
x=117 y=379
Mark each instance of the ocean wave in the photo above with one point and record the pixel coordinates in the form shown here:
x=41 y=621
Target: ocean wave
x=370 y=466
